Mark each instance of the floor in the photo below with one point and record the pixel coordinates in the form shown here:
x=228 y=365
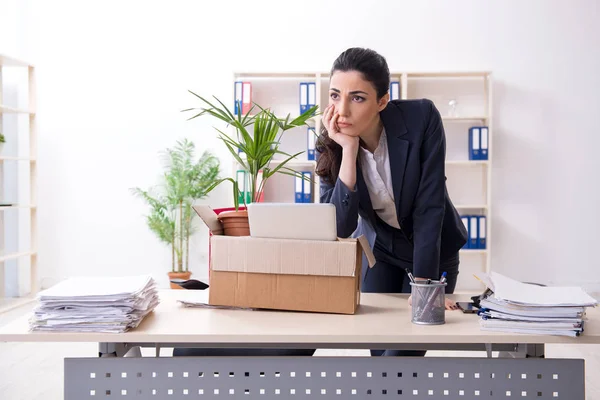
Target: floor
x=24 y=363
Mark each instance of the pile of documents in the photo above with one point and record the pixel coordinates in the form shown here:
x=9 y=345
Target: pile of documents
x=95 y=304
x=518 y=307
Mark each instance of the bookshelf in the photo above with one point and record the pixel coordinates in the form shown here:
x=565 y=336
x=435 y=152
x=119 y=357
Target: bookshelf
x=469 y=181
x=18 y=174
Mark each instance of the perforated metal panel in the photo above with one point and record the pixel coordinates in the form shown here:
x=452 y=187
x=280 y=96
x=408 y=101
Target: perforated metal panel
x=322 y=378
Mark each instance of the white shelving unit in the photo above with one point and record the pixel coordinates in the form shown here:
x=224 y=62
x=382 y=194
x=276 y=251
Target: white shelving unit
x=469 y=181
x=18 y=175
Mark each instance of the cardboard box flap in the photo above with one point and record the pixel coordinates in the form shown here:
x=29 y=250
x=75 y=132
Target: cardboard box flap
x=364 y=244
x=285 y=256
x=210 y=218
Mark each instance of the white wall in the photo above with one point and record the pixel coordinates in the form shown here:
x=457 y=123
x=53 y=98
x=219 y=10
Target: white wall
x=113 y=77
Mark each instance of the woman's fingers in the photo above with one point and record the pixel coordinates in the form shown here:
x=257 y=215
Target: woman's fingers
x=451 y=305
x=330 y=118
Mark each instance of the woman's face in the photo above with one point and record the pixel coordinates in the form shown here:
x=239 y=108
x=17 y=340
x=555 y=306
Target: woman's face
x=355 y=99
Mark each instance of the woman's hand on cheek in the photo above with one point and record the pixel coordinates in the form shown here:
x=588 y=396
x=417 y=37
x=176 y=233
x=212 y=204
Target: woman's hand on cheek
x=330 y=118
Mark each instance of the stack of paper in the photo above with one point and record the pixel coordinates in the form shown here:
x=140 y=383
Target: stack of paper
x=525 y=308
x=95 y=304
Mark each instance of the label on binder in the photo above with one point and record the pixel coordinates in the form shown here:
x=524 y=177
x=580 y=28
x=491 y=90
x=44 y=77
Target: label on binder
x=238 y=98
x=303 y=97
x=473 y=232
x=299 y=190
x=394 y=90
x=311 y=144
x=484 y=143
x=307 y=186
x=482 y=232
x=312 y=94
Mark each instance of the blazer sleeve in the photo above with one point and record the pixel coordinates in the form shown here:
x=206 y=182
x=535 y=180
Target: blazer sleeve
x=346 y=206
x=428 y=210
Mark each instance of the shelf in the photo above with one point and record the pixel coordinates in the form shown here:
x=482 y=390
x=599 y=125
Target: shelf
x=7 y=207
x=275 y=75
x=447 y=74
x=471 y=206
x=12 y=110
x=10 y=303
x=13 y=256
x=6 y=158
x=291 y=163
x=461 y=119
x=473 y=251
x=12 y=62
x=440 y=74
x=292 y=117
x=467 y=162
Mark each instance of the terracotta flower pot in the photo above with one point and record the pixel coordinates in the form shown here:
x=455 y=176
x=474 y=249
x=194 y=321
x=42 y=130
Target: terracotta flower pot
x=178 y=275
x=235 y=223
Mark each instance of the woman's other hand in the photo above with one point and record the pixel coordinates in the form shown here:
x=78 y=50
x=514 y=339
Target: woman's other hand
x=450 y=304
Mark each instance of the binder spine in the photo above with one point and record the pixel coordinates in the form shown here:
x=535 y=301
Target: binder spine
x=474 y=146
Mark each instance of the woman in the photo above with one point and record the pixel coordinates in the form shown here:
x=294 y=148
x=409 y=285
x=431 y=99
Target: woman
x=384 y=161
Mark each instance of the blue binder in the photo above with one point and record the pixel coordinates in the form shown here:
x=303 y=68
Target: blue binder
x=237 y=95
x=484 y=142
x=481 y=237
x=310 y=143
x=312 y=95
x=303 y=97
x=394 y=90
x=307 y=182
x=241 y=153
x=299 y=191
x=474 y=143
x=473 y=231
x=465 y=221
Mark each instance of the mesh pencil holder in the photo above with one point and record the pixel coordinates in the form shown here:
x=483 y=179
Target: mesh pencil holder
x=428 y=303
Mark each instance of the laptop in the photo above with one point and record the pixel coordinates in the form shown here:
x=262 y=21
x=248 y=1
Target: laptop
x=310 y=221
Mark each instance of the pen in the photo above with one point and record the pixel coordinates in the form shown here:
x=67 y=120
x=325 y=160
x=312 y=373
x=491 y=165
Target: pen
x=410 y=276
x=443 y=278
x=433 y=296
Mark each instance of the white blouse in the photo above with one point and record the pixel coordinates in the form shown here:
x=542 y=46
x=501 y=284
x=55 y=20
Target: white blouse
x=378 y=177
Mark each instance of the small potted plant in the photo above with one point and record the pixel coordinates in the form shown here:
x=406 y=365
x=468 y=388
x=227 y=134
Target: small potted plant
x=2 y=141
x=171 y=215
x=260 y=144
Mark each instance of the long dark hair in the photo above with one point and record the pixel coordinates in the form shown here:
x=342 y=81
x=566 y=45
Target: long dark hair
x=374 y=69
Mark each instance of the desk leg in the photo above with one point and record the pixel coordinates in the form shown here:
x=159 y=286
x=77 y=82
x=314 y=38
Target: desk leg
x=525 y=351
x=488 y=350
x=535 y=351
x=118 y=350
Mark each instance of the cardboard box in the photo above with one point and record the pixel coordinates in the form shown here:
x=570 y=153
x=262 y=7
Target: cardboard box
x=284 y=274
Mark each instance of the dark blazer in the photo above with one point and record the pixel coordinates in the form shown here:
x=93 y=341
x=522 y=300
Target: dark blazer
x=427 y=217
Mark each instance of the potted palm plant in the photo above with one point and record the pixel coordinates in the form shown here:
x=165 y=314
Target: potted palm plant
x=260 y=144
x=171 y=216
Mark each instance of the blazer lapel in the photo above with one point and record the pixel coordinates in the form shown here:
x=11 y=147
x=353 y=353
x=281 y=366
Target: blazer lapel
x=364 y=199
x=395 y=128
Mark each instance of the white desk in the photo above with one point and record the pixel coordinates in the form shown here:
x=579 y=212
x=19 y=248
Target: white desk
x=382 y=321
